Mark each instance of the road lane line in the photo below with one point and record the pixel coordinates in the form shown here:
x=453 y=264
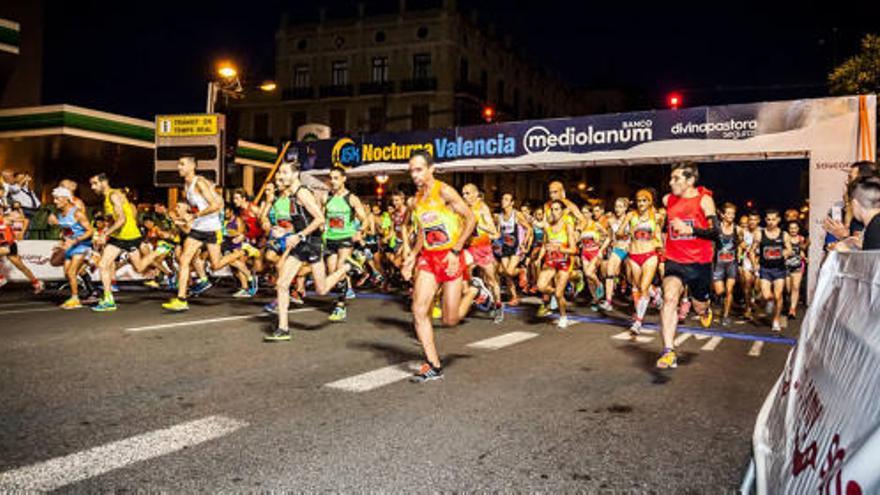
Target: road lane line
x=503 y=340
x=210 y=320
x=628 y=336
x=680 y=339
x=376 y=378
x=755 y=351
x=31 y=310
x=700 y=336
x=55 y=473
x=712 y=344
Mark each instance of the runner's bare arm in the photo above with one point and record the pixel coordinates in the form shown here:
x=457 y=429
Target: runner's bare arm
x=83 y=220
x=307 y=199
x=118 y=213
x=215 y=203
x=489 y=220
x=457 y=204
x=571 y=248
x=361 y=214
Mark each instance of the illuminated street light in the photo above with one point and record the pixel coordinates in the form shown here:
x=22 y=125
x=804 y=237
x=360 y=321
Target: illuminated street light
x=226 y=70
x=268 y=86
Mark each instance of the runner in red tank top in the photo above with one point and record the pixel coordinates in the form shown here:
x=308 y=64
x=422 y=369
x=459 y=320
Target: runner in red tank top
x=689 y=250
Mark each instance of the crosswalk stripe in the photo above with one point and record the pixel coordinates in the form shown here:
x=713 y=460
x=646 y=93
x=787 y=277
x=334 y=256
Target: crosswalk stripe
x=503 y=340
x=755 y=351
x=376 y=378
x=712 y=344
x=55 y=473
x=209 y=320
x=628 y=336
x=680 y=339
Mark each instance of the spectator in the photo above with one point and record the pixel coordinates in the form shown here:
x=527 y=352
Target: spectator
x=865 y=202
x=849 y=228
x=18 y=221
x=6 y=179
x=19 y=191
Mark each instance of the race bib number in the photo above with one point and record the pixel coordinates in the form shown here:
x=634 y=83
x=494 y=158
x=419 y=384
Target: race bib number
x=336 y=222
x=725 y=257
x=772 y=253
x=509 y=240
x=643 y=235
x=674 y=235
x=436 y=236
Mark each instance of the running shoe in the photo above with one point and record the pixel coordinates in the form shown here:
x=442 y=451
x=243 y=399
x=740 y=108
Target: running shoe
x=72 y=303
x=151 y=284
x=667 y=360
x=683 y=309
x=279 y=335
x=295 y=297
x=253 y=286
x=563 y=322
x=176 y=305
x=636 y=328
x=38 y=286
x=776 y=326
x=201 y=287
x=164 y=247
x=355 y=263
x=427 y=373
x=271 y=307
x=242 y=294
x=706 y=319
x=579 y=287
x=339 y=313
x=554 y=305
x=436 y=313
x=104 y=306
x=606 y=306
x=349 y=294
x=498 y=316
x=250 y=251
x=726 y=321
x=543 y=311
x=481 y=286
x=513 y=302
x=600 y=292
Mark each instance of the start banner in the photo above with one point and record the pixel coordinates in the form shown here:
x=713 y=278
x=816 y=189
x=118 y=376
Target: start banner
x=819 y=429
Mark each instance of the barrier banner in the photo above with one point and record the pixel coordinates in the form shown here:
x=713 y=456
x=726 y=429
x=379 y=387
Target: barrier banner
x=819 y=428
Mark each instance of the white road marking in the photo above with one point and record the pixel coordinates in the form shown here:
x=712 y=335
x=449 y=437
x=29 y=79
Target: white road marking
x=210 y=320
x=376 y=378
x=712 y=344
x=31 y=310
x=700 y=336
x=503 y=340
x=55 y=473
x=755 y=351
x=680 y=339
x=628 y=336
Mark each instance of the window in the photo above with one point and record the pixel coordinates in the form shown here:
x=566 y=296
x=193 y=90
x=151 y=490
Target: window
x=380 y=70
x=261 y=126
x=339 y=73
x=421 y=117
x=377 y=119
x=297 y=119
x=421 y=66
x=463 y=70
x=301 y=76
x=337 y=121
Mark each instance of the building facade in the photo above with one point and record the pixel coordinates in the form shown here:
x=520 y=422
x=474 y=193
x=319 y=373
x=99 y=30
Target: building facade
x=413 y=66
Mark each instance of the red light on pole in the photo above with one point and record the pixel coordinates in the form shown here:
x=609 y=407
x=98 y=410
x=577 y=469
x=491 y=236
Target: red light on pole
x=488 y=113
x=380 y=191
x=674 y=101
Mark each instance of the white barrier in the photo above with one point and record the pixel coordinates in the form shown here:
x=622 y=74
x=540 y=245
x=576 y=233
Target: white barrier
x=819 y=429
x=36 y=254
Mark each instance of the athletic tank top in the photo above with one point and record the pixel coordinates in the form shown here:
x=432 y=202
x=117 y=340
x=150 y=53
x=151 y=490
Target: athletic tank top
x=398 y=220
x=70 y=228
x=794 y=261
x=129 y=230
x=7 y=237
x=480 y=237
x=207 y=223
x=440 y=226
x=771 y=251
x=557 y=240
x=687 y=248
x=339 y=223
x=643 y=229
x=538 y=235
x=508 y=229
x=252 y=224
x=591 y=237
x=725 y=247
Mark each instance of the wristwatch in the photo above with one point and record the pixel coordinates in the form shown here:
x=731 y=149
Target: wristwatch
x=456 y=251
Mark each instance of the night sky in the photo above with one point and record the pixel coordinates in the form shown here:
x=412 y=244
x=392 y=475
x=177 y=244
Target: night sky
x=144 y=58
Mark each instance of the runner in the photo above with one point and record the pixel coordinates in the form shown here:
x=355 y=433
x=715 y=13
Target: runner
x=206 y=230
x=121 y=237
x=724 y=273
x=479 y=246
x=516 y=235
x=795 y=264
x=343 y=209
x=9 y=250
x=748 y=268
x=296 y=238
x=556 y=255
x=76 y=235
x=594 y=240
x=444 y=223
x=691 y=230
x=620 y=241
x=644 y=226
x=396 y=233
x=771 y=247
x=539 y=229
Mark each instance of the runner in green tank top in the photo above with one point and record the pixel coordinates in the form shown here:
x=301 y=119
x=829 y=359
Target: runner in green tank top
x=345 y=220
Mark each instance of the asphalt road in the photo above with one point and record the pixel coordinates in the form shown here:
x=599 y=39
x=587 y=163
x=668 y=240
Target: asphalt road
x=144 y=400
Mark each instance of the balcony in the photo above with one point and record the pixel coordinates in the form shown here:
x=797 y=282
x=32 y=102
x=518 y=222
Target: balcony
x=298 y=94
x=376 y=88
x=335 y=91
x=470 y=89
x=421 y=84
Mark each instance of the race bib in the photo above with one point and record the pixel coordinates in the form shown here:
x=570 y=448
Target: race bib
x=643 y=235
x=336 y=222
x=673 y=234
x=509 y=240
x=725 y=256
x=772 y=253
x=436 y=236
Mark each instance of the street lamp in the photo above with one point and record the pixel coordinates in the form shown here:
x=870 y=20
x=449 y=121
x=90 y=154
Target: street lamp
x=228 y=83
x=226 y=70
x=268 y=86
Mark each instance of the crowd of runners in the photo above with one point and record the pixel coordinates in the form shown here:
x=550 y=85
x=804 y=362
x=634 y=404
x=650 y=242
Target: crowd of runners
x=449 y=252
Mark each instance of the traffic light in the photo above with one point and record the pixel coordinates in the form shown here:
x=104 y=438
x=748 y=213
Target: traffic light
x=674 y=100
x=488 y=113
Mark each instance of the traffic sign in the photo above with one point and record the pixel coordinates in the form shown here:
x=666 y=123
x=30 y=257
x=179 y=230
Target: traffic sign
x=201 y=136
x=187 y=125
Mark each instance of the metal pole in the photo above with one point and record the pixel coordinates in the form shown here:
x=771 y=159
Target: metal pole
x=212 y=96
